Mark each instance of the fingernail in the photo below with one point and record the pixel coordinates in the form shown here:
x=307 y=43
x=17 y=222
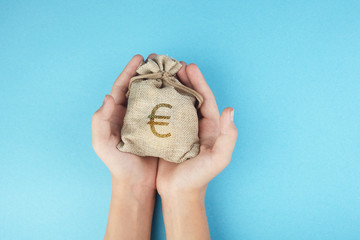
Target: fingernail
x=232 y=114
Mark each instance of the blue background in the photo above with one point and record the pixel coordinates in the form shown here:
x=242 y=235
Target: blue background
x=291 y=70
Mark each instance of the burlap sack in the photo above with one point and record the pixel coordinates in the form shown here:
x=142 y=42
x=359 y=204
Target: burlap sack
x=161 y=119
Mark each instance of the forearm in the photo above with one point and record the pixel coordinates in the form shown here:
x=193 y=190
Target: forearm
x=185 y=216
x=131 y=211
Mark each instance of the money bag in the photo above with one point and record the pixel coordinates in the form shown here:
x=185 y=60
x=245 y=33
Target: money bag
x=161 y=118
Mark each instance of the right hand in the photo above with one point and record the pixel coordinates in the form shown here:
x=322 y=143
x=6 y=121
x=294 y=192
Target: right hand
x=217 y=135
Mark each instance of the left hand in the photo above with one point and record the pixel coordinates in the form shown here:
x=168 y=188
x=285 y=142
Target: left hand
x=138 y=173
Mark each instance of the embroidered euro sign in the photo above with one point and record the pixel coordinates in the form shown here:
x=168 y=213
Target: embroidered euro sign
x=152 y=123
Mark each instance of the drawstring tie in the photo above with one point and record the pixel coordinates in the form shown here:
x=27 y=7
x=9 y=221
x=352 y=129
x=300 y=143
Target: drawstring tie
x=171 y=80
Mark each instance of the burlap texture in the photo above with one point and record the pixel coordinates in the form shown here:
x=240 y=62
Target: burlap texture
x=161 y=120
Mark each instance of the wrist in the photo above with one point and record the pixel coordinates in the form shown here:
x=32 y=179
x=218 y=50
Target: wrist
x=168 y=191
x=130 y=190
x=131 y=211
x=188 y=195
x=185 y=215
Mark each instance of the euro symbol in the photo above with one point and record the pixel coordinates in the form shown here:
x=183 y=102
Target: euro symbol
x=152 y=123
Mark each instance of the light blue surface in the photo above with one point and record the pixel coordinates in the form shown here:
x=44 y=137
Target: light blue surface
x=291 y=70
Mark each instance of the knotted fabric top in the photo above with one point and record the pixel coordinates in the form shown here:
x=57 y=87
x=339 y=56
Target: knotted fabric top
x=164 y=68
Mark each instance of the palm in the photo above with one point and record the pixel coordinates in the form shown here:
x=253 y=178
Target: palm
x=187 y=173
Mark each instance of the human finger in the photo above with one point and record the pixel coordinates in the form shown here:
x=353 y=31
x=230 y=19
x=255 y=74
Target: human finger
x=209 y=107
x=182 y=75
x=101 y=122
x=152 y=55
x=225 y=142
x=121 y=84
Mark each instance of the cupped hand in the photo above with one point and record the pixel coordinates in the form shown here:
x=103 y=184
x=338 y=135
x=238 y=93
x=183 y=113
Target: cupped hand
x=107 y=121
x=217 y=136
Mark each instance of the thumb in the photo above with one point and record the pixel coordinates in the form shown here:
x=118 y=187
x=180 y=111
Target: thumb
x=105 y=111
x=101 y=121
x=225 y=142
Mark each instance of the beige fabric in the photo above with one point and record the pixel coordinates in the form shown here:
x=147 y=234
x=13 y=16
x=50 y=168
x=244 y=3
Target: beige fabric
x=161 y=118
